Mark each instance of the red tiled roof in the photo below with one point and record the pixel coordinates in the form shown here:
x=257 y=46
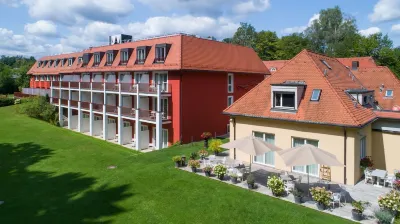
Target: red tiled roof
x=186 y=53
x=364 y=62
x=334 y=107
x=388 y=114
x=277 y=64
x=373 y=78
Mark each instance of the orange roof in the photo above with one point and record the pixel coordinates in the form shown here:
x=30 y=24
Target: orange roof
x=388 y=114
x=373 y=78
x=335 y=107
x=364 y=62
x=186 y=53
x=275 y=65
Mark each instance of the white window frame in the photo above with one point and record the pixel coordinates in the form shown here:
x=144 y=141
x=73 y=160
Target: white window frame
x=80 y=60
x=281 y=100
x=96 y=58
x=36 y=78
x=263 y=156
x=305 y=142
x=164 y=82
x=230 y=98
x=312 y=94
x=386 y=93
x=70 y=62
x=230 y=83
x=125 y=56
x=110 y=58
x=141 y=55
x=363 y=147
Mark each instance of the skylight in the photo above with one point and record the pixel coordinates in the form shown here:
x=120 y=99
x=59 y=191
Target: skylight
x=389 y=93
x=316 y=93
x=326 y=64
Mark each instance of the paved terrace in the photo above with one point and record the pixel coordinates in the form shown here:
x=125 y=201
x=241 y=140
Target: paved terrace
x=361 y=191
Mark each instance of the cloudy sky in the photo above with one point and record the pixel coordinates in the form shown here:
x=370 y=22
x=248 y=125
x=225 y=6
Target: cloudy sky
x=46 y=27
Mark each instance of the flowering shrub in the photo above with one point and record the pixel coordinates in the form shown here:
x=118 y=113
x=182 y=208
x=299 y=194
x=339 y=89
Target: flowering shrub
x=177 y=159
x=390 y=201
x=366 y=162
x=208 y=169
x=220 y=170
x=360 y=206
x=206 y=135
x=194 y=163
x=276 y=185
x=321 y=195
x=215 y=146
x=203 y=153
x=396 y=184
x=397 y=175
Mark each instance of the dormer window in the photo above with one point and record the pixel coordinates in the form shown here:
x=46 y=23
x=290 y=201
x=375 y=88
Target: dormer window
x=272 y=69
x=284 y=100
x=70 y=61
x=80 y=60
x=110 y=58
x=286 y=96
x=55 y=63
x=62 y=62
x=96 y=59
x=125 y=54
x=141 y=54
x=389 y=93
x=161 y=52
x=316 y=93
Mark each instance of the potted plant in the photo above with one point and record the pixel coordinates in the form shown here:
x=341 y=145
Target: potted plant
x=321 y=196
x=298 y=195
x=366 y=163
x=207 y=170
x=276 y=185
x=215 y=146
x=390 y=202
x=193 y=155
x=203 y=153
x=397 y=175
x=205 y=136
x=177 y=160
x=250 y=181
x=194 y=164
x=233 y=177
x=358 y=209
x=384 y=217
x=220 y=171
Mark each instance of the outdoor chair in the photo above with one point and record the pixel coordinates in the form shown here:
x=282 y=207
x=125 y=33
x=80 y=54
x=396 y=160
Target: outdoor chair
x=368 y=176
x=335 y=199
x=299 y=179
x=389 y=179
x=289 y=186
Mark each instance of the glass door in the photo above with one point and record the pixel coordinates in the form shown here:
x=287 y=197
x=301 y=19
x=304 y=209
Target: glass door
x=269 y=157
x=312 y=169
x=161 y=78
x=164 y=138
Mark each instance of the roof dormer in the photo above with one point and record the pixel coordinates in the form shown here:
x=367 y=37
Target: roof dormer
x=364 y=97
x=286 y=96
x=125 y=54
x=86 y=58
x=141 y=54
x=97 y=56
x=110 y=54
x=161 y=52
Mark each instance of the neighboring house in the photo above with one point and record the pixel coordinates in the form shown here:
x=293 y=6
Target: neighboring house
x=274 y=66
x=152 y=92
x=317 y=100
x=358 y=62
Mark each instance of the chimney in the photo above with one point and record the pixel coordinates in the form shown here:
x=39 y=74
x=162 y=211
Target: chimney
x=355 y=65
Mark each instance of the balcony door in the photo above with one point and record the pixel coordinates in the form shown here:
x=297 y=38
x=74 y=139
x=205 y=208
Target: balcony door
x=161 y=78
x=164 y=143
x=164 y=106
x=312 y=169
x=141 y=77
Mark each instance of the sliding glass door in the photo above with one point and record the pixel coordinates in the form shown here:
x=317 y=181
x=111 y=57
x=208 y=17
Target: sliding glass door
x=269 y=157
x=312 y=169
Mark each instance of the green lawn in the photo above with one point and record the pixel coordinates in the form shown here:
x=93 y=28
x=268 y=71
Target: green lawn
x=53 y=175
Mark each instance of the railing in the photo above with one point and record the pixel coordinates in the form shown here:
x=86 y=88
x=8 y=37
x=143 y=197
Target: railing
x=85 y=85
x=55 y=84
x=74 y=85
x=111 y=109
x=85 y=105
x=64 y=84
x=140 y=61
x=112 y=87
x=98 y=86
x=55 y=100
x=36 y=91
x=64 y=102
x=96 y=64
x=147 y=115
x=152 y=89
x=128 y=87
x=74 y=103
x=123 y=62
x=129 y=112
x=97 y=107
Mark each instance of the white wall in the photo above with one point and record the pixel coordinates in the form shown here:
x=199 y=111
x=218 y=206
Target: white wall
x=144 y=139
x=111 y=99
x=111 y=131
x=85 y=124
x=127 y=135
x=127 y=101
x=110 y=77
x=97 y=77
x=97 y=127
x=74 y=122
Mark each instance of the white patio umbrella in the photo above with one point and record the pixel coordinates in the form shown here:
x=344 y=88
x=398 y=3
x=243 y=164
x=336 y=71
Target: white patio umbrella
x=252 y=146
x=305 y=155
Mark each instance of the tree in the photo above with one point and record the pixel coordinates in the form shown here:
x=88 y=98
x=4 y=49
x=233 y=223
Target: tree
x=290 y=46
x=245 y=35
x=266 y=45
x=227 y=40
x=7 y=83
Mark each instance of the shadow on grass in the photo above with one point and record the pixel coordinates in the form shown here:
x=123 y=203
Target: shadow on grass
x=44 y=197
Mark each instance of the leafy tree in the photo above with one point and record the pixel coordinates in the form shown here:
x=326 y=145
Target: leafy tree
x=7 y=83
x=266 y=45
x=245 y=35
x=290 y=46
x=227 y=40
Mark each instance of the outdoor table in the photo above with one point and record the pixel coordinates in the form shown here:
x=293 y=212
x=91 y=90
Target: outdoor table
x=379 y=174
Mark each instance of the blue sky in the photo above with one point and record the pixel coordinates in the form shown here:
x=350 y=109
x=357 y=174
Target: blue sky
x=46 y=27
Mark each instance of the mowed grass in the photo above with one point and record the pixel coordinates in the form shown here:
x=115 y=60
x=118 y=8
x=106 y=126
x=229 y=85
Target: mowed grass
x=52 y=175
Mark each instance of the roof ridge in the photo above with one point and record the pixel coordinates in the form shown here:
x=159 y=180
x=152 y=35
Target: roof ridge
x=333 y=89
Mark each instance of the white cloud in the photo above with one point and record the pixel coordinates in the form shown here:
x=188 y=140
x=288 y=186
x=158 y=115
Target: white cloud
x=74 y=11
x=396 y=28
x=42 y=28
x=251 y=6
x=385 y=10
x=299 y=29
x=369 y=31
x=12 y=3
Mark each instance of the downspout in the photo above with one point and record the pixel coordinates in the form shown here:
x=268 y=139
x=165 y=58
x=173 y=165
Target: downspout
x=345 y=155
x=234 y=136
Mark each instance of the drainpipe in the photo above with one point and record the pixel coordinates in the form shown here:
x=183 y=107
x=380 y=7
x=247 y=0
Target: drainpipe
x=234 y=136
x=345 y=155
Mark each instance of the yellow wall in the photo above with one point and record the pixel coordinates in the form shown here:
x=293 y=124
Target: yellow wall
x=331 y=138
x=386 y=150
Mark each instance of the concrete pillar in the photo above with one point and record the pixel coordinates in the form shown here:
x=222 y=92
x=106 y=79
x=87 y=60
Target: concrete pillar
x=105 y=123
x=158 y=119
x=79 y=109
x=60 y=110
x=51 y=92
x=91 y=119
x=120 y=126
x=137 y=121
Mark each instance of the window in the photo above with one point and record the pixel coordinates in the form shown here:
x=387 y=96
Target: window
x=230 y=100
x=80 y=60
x=144 y=128
x=110 y=58
x=365 y=100
x=49 y=64
x=141 y=56
x=284 y=100
x=363 y=147
x=230 y=83
x=326 y=64
x=389 y=93
x=161 y=78
x=111 y=121
x=127 y=124
x=62 y=62
x=124 y=57
x=70 y=61
x=85 y=116
x=312 y=169
x=316 y=93
x=96 y=59
x=98 y=118
x=36 y=78
x=160 y=54
x=272 y=69
x=269 y=157
x=39 y=63
x=55 y=63
x=41 y=78
x=47 y=78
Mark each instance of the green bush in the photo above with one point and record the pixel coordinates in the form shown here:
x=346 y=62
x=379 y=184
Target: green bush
x=215 y=146
x=276 y=185
x=40 y=108
x=384 y=217
x=4 y=101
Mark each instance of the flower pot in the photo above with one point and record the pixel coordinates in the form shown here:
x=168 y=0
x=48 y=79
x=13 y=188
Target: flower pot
x=206 y=143
x=202 y=157
x=297 y=199
x=357 y=215
x=177 y=164
x=321 y=206
x=208 y=173
x=250 y=186
x=216 y=153
x=234 y=180
x=221 y=176
x=194 y=169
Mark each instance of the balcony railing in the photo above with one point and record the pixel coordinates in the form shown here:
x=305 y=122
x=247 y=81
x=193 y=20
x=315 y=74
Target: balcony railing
x=85 y=85
x=150 y=115
x=140 y=61
x=129 y=112
x=112 y=87
x=55 y=84
x=128 y=87
x=74 y=85
x=64 y=84
x=125 y=62
x=55 y=100
x=98 y=86
x=97 y=107
x=111 y=109
x=152 y=89
x=74 y=103
x=85 y=105
x=64 y=102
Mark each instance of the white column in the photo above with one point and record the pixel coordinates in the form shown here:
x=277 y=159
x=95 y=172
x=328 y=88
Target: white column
x=137 y=121
x=158 y=118
x=105 y=123
x=51 y=92
x=91 y=119
x=69 y=109
x=120 y=124
x=79 y=109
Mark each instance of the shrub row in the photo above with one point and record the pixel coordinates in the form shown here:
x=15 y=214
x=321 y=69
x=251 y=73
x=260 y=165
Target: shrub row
x=4 y=101
x=40 y=108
